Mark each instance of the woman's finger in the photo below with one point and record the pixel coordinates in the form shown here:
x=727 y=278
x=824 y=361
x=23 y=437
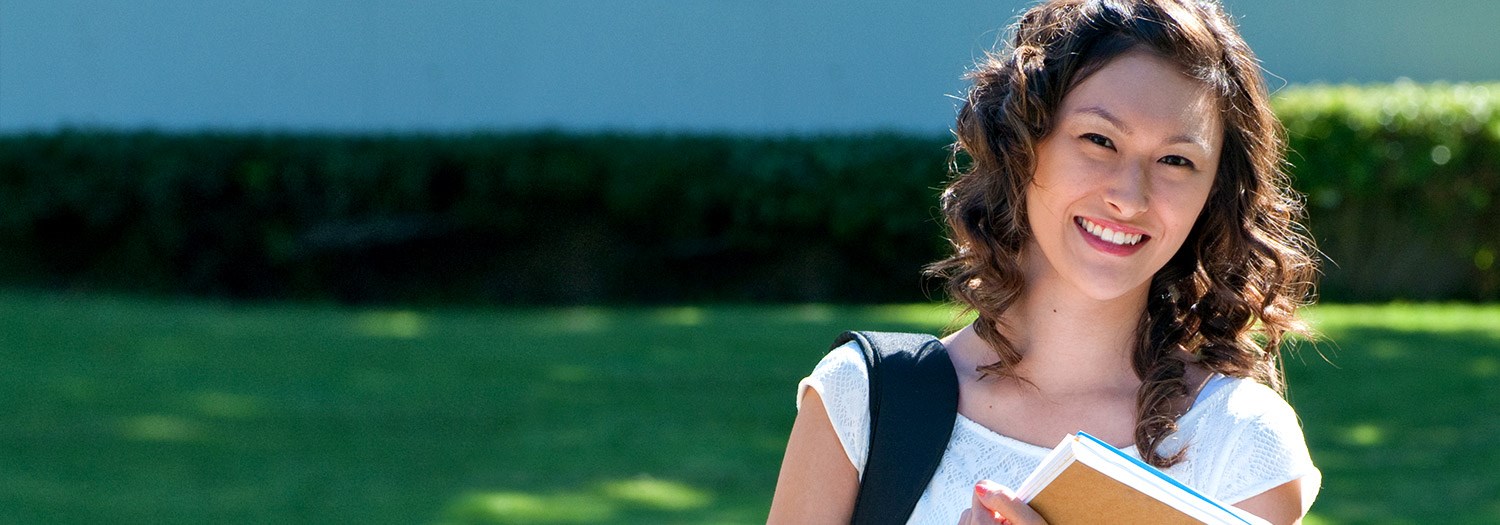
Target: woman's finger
x=980 y=516
x=1003 y=505
x=977 y=514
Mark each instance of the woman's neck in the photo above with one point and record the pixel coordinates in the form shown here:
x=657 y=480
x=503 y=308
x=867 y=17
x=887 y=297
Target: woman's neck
x=1072 y=343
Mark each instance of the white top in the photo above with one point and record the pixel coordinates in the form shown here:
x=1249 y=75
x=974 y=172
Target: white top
x=1245 y=440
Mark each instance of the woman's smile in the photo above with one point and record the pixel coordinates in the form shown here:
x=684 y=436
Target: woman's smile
x=1113 y=239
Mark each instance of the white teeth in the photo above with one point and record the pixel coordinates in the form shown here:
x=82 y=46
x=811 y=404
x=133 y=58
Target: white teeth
x=1108 y=235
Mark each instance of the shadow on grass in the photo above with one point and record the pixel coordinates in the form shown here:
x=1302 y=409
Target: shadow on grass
x=1404 y=427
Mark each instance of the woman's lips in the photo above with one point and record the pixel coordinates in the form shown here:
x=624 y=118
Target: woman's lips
x=1111 y=240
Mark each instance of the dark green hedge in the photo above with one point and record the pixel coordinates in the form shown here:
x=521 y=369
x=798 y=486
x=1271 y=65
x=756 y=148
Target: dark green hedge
x=1402 y=182
x=513 y=218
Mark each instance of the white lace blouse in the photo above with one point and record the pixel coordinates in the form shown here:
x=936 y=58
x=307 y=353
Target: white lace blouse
x=1245 y=439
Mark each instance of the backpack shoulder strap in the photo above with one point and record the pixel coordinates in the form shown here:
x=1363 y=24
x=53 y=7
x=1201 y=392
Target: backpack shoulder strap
x=913 y=402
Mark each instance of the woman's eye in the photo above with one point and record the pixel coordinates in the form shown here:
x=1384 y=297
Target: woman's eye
x=1174 y=160
x=1099 y=140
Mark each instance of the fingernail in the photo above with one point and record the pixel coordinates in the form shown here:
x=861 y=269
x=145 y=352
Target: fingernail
x=986 y=487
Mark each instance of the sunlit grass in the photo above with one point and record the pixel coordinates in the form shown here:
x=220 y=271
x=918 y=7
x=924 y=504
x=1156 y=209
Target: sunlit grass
x=1411 y=317
x=148 y=411
x=399 y=324
x=603 y=503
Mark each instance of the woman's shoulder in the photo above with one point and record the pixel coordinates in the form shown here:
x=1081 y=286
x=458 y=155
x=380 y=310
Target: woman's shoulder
x=1241 y=399
x=843 y=384
x=1252 y=439
x=841 y=370
x=1229 y=407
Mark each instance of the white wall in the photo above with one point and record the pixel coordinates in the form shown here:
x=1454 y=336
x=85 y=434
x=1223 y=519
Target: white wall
x=767 y=66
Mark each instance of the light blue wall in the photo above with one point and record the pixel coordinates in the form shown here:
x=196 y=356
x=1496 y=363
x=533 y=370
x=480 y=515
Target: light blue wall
x=768 y=66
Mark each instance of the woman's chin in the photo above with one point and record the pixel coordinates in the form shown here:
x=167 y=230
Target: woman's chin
x=1112 y=290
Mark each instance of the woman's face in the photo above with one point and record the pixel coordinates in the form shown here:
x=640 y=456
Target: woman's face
x=1121 y=178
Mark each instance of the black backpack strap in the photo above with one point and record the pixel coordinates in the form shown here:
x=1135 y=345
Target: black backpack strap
x=913 y=403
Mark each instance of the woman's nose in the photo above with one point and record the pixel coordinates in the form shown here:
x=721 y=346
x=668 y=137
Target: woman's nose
x=1128 y=190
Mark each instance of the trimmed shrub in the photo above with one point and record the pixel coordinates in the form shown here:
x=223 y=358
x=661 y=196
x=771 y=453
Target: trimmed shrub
x=536 y=217
x=1402 y=181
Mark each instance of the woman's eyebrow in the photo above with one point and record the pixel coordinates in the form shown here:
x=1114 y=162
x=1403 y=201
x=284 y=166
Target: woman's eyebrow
x=1106 y=115
x=1102 y=113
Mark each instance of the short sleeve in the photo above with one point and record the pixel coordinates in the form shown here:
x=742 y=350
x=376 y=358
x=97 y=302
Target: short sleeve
x=843 y=383
x=1267 y=449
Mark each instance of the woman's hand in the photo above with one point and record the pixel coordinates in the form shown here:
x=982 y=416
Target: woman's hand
x=996 y=504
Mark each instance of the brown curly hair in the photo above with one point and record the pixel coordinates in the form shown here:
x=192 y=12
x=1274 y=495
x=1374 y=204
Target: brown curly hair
x=1227 y=298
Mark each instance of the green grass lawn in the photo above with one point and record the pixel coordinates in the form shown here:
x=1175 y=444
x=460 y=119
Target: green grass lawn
x=126 y=410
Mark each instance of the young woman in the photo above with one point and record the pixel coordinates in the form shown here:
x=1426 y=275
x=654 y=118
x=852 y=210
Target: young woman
x=1125 y=233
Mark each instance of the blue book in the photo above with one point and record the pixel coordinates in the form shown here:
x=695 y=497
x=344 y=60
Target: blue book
x=1085 y=480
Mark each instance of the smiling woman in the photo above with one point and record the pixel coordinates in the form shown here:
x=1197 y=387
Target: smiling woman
x=1121 y=180
x=1126 y=236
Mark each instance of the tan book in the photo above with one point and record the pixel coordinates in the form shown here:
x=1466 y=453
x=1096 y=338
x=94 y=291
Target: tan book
x=1085 y=480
